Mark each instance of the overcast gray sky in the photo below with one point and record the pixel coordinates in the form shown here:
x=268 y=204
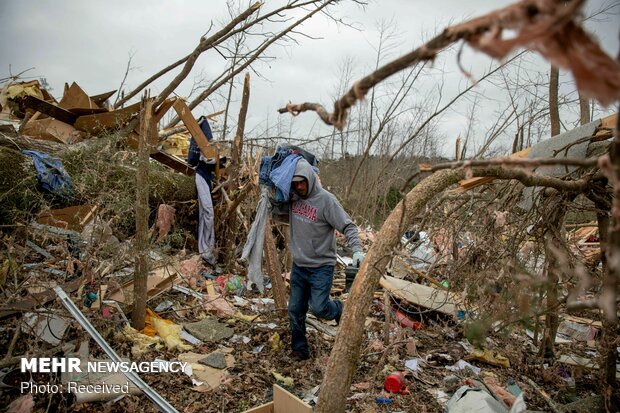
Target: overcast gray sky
x=89 y=42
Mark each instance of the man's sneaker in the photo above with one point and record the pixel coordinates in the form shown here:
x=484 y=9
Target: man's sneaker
x=300 y=355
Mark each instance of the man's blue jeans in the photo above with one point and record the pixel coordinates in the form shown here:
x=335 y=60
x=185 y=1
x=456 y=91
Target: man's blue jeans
x=310 y=286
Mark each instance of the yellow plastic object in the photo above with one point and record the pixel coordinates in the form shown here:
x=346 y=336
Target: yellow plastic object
x=486 y=356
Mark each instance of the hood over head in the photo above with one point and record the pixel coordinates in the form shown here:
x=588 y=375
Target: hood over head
x=304 y=169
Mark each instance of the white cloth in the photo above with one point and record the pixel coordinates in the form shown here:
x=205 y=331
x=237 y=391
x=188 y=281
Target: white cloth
x=206 y=230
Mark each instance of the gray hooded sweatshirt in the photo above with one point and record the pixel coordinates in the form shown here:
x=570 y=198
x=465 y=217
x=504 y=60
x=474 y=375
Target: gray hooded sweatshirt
x=313 y=221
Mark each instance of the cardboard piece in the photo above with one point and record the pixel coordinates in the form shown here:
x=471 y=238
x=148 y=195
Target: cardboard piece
x=283 y=402
x=50 y=129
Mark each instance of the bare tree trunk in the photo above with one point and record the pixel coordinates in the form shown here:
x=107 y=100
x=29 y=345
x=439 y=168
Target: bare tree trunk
x=584 y=110
x=237 y=148
x=345 y=353
x=553 y=242
x=142 y=217
x=554 y=112
x=275 y=270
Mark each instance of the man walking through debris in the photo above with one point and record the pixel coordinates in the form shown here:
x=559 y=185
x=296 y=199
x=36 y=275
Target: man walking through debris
x=204 y=176
x=314 y=214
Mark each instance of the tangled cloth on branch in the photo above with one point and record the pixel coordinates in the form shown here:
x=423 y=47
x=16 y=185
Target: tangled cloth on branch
x=253 y=248
x=52 y=176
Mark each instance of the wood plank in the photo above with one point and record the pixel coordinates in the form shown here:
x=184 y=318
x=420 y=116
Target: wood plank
x=102 y=97
x=158 y=281
x=207 y=150
x=108 y=121
x=285 y=402
x=39 y=105
x=173 y=162
x=163 y=108
x=421 y=295
x=75 y=97
x=263 y=408
x=75 y=217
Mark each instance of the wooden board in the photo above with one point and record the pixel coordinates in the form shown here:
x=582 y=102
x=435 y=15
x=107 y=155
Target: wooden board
x=283 y=402
x=184 y=112
x=73 y=218
x=173 y=162
x=101 y=98
x=75 y=97
x=35 y=300
x=39 y=105
x=108 y=121
x=157 y=282
x=421 y=295
x=163 y=108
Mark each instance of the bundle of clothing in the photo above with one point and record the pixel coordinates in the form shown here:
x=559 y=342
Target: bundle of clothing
x=275 y=176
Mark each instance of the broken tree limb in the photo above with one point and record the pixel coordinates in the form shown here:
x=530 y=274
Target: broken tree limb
x=275 y=269
x=549 y=27
x=206 y=93
x=345 y=353
x=142 y=216
x=237 y=147
x=189 y=60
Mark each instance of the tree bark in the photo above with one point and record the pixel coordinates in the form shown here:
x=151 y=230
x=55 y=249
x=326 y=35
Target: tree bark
x=553 y=241
x=275 y=269
x=554 y=112
x=142 y=217
x=584 y=110
x=237 y=148
x=345 y=353
x=609 y=292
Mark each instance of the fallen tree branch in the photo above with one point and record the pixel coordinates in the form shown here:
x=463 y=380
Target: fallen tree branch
x=548 y=27
x=509 y=161
x=202 y=46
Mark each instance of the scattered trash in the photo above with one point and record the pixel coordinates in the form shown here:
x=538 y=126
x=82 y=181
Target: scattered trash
x=275 y=342
x=395 y=383
x=47 y=327
x=462 y=365
x=486 y=356
x=413 y=364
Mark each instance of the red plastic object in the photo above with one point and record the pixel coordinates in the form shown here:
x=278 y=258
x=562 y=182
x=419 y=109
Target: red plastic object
x=407 y=322
x=395 y=383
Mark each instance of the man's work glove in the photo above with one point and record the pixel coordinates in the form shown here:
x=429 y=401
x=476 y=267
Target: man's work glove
x=358 y=256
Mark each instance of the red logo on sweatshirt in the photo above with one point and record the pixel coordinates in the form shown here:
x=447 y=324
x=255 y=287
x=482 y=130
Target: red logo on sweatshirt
x=304 y=210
